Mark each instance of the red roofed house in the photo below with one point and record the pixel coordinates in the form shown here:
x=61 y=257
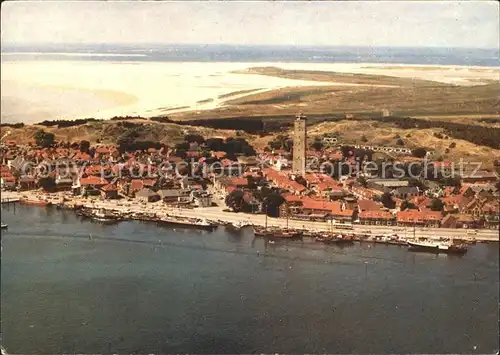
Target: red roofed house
x=459 y=221
x=419 y=218
x=89 y=185
x=109 y=191
x=377 y=217
x=369 y=205
x=491 y=214
x=8 y=182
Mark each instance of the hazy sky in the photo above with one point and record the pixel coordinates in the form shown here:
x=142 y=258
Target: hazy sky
x=429 y=23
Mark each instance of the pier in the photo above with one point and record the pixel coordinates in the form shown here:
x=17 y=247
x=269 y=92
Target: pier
x=9 y=200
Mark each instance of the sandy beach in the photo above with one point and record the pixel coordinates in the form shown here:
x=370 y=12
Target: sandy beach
x=33 y=91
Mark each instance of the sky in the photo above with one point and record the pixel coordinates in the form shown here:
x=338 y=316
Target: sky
x=469 y=24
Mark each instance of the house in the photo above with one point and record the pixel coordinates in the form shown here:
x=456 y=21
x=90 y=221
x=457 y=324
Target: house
x=174 y=195
x=334 y=210
x=27 y=183
x=369 y=205
x=386 y=184
x=63 y=184
x=491 y=214
x=147 y=195
x=109 y=191
x=419 y=218
x=89 y=186
x=201 y=198
x=364 y=193
x=459 y=220
x=376 y=217
x=8 y=182
x=283 y=181
x=405 y=192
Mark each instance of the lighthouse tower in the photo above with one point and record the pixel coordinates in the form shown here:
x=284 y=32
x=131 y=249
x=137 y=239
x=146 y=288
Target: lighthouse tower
x=299 y=144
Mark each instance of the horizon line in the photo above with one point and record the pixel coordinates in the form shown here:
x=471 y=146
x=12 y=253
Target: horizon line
x=4 y=43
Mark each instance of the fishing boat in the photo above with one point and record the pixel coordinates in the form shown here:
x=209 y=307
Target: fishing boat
x=436 y=246
x=4 y=226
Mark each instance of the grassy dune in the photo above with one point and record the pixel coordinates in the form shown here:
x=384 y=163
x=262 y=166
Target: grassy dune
x=348 y=78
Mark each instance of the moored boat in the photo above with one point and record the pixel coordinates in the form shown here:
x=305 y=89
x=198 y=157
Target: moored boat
x=273 y=233
x=103 y=216
x=4 y=226
x=435 y=246
x=189 y=223
x=35 y=202
x=329 y=238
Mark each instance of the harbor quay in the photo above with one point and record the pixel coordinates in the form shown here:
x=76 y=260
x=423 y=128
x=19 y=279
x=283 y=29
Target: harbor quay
x=220 y=216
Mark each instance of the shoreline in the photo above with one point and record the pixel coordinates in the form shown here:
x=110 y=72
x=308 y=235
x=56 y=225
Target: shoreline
x=218 y=216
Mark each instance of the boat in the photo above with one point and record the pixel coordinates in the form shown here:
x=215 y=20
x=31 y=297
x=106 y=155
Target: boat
x=238 y=224
x=37 y=202
x=274 y=233
x=4 y=226
x=200 y=223
x=436 y=246
x=330 y=238
x=102 y=216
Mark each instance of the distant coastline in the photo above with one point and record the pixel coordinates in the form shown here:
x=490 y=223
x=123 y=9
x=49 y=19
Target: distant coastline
x=254 y=53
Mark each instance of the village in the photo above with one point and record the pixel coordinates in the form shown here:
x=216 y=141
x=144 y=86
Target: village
x=321 y=184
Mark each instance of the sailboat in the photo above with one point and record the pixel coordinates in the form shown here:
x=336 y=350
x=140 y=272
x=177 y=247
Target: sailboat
x=276 y=233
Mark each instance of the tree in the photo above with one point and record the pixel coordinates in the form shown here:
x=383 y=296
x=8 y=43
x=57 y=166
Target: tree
x=192 y=138
x=452 y=145
x=251 y=182
x=346 y=150
x=405 y=205
x=215 y=144
x=47 y=183
x=44 y=139
x=84 y=146
x=364 y=139
x=274 y=144
x=400 y=141
x=419 y=152
x=387 y=200
x=436 y=205
x=317 y=145
x=235 y=201
x=272 y=200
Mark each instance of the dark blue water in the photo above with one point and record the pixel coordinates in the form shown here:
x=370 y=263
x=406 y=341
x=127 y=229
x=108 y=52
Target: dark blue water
x=139 y=288
x=235 y=53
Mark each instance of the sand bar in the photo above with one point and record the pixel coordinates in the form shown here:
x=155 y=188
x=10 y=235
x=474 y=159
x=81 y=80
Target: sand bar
x=33 y=91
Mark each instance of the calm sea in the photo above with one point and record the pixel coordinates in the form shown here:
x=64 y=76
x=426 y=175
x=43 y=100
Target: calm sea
x=235 y=53
x=140 y=288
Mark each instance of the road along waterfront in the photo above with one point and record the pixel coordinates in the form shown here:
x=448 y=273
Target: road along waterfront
x=217 y=214
x=139 y=287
